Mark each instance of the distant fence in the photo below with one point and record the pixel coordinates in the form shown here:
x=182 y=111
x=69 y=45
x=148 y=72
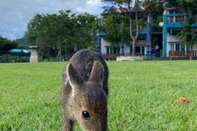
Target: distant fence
x=114 y=56
x=181 y=53
x=69 y=55
x=108 y=56
x=105 y=56
x=111 y=57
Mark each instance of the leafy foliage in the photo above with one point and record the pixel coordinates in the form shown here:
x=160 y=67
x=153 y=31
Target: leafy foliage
x=6 y=45
x=127 y=4
x=188 y=34
x=85 y=26
x=153 y=7
x=62 y=31
x=116 y=30
x=190 y=8
x=134 y=15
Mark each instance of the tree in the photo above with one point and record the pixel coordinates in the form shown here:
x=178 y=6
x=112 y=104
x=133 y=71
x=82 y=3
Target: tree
x=56 y=31
x=32 y=29
x=136 y=15
x=49 y=31
x=154 y=7
x=188 y=34
x=127 y=4
x=116 y=30
x=6 y=45
x=84 y=30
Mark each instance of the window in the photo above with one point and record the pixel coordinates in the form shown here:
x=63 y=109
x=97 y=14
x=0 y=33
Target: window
x=170 y=19
x=108 y=49
x=172 y=47
x=179 y=47
x=131 y=49
x=116 y=50
x=143 y=50
x=137 y=50
x=179 y=19
x=182 y=48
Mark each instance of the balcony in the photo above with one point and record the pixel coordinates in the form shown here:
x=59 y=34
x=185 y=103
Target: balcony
x=175 y=20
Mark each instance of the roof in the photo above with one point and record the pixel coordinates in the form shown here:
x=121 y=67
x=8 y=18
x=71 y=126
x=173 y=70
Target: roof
x=114 y=9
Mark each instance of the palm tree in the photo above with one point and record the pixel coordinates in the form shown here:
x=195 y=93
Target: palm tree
x=188 y=35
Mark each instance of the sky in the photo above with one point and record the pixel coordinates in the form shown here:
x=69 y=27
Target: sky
x=15 y=14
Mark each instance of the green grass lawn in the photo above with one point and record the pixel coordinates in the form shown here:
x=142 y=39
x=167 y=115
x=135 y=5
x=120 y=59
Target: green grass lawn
x=142 y=95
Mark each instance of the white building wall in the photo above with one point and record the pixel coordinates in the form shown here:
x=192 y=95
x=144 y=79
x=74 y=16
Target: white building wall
x=195 y=47
x=126 y=49
x=170 y=39
x=175 y=39
x=105 y=43
x=141 y=43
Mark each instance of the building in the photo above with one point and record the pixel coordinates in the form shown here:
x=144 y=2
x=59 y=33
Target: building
x=172 y=21
x=164 y=39
x=144 y=43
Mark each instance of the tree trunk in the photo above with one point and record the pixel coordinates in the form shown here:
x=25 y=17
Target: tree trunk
x=191 y=52
x=117 y=47
x=48 y=54
x=6 y=57
x=112 y=51
x=42 y=54
x=134 y=38
x=133 y=47
x=60 y=51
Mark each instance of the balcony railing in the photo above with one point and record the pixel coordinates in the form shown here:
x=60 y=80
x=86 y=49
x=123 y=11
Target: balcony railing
x=174 y=19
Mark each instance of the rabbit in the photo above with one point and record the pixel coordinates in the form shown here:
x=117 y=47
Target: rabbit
x=84 y=92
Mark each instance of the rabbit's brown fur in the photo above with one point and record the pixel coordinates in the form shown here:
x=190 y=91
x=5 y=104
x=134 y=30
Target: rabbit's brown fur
x=84 y=92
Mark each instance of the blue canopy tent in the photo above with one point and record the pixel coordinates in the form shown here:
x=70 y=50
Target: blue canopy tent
x=23 y=54
x=19 y=51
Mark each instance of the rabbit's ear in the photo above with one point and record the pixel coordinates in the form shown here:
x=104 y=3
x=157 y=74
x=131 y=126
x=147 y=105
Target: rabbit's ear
x=73 y=77
x=97 y=73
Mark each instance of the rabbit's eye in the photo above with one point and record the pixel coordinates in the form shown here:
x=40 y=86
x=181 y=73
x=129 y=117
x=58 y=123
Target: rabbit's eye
x=85 y=114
